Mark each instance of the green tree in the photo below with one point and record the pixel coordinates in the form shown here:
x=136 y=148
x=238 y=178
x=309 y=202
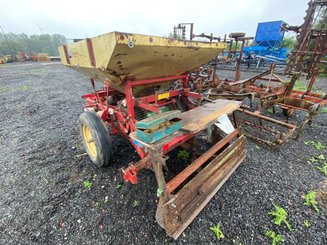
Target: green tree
x=44 y=43
x=289 y=43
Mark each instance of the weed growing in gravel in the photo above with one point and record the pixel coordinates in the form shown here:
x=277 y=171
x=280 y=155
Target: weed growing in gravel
x=87 y=184
x=135 y=203
x=280 y=216
x=311 y=201
x=323 y=169
x=25 y=87
x=312 y=160
x=3 y=89
x=300 y=86
x=270 y=110
x=324 y=110
x=216 y=229
x=275 y=238
x=320 y=159
x=183 y=155
x=94 y=176
x=306 y=224
x=118 y=186
x=257 y=147
x=316 y=144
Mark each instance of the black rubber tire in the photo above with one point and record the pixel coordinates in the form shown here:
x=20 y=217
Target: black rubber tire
x=100 y=136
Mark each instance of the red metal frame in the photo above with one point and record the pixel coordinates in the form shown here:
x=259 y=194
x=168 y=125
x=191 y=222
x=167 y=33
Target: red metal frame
x=122 y=118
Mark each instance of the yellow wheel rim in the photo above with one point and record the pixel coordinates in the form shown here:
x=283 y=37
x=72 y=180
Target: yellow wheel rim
x=89 y=142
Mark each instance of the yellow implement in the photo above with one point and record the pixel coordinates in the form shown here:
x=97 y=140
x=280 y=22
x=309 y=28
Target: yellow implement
x=116 y=55
x=157 y=120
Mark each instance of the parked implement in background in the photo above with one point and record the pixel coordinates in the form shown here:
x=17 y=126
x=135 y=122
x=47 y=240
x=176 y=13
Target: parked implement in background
x=43 y=57
x=139 y=102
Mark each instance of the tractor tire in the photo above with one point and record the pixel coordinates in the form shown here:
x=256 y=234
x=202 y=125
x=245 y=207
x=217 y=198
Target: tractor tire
x=96 y=139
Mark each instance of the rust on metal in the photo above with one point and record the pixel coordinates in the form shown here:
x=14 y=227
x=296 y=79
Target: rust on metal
x=66 y=54
x=278 y=137
x=182 y=176
x=177 y=211
x=90 y=50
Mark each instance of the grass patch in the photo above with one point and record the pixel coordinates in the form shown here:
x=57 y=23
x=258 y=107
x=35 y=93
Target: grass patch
x=311 y=201
x=24 y=88
x=275 y=238
x=135 y=203
x=3 y=89
x=306 y=224
x=183 y=155
x=119 y=186
x=280 y=216
x=300 y=86
x=316 y=144
x=218 y=232
x=323 y=169
x=88 y=184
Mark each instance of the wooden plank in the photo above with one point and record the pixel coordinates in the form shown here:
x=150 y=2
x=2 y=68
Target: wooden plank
x=202 y=117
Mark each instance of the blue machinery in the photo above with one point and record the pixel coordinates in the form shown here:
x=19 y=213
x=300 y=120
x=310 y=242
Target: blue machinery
x=269 y=42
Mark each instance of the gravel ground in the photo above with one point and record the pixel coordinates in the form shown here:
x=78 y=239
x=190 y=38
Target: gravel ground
x=43 y=168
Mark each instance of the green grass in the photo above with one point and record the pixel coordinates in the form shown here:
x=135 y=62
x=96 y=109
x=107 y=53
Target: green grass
x=280 y=216
x=88 y=184
x=119 y=185
x=135 y=203
x=24 y=88
x=275 y=238
x=270 y=110
x=3 y=89
x=300 y=86
x=311 y=201
x=323 y=169
x=306 y=224
x=316 y=144
x=218 y=232
x=183 y=155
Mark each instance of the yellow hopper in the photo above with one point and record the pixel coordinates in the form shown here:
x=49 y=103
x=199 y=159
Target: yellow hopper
x=116 y=55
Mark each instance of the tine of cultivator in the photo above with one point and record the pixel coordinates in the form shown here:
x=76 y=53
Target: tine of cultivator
x=270 y=134
x=176 y=211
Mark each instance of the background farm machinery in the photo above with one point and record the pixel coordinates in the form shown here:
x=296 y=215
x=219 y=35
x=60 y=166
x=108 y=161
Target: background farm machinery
x=308 y=58
x=146 y=99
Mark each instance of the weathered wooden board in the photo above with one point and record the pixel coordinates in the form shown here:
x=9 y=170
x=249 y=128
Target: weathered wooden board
x=202 y=117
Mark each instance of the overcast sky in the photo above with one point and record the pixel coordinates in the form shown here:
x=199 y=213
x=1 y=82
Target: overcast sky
x=88 y=18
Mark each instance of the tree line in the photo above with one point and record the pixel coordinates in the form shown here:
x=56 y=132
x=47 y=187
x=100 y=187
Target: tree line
x=12 y=43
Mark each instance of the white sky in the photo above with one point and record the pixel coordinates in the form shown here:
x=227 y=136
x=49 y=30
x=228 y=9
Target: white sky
x=88 y=18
